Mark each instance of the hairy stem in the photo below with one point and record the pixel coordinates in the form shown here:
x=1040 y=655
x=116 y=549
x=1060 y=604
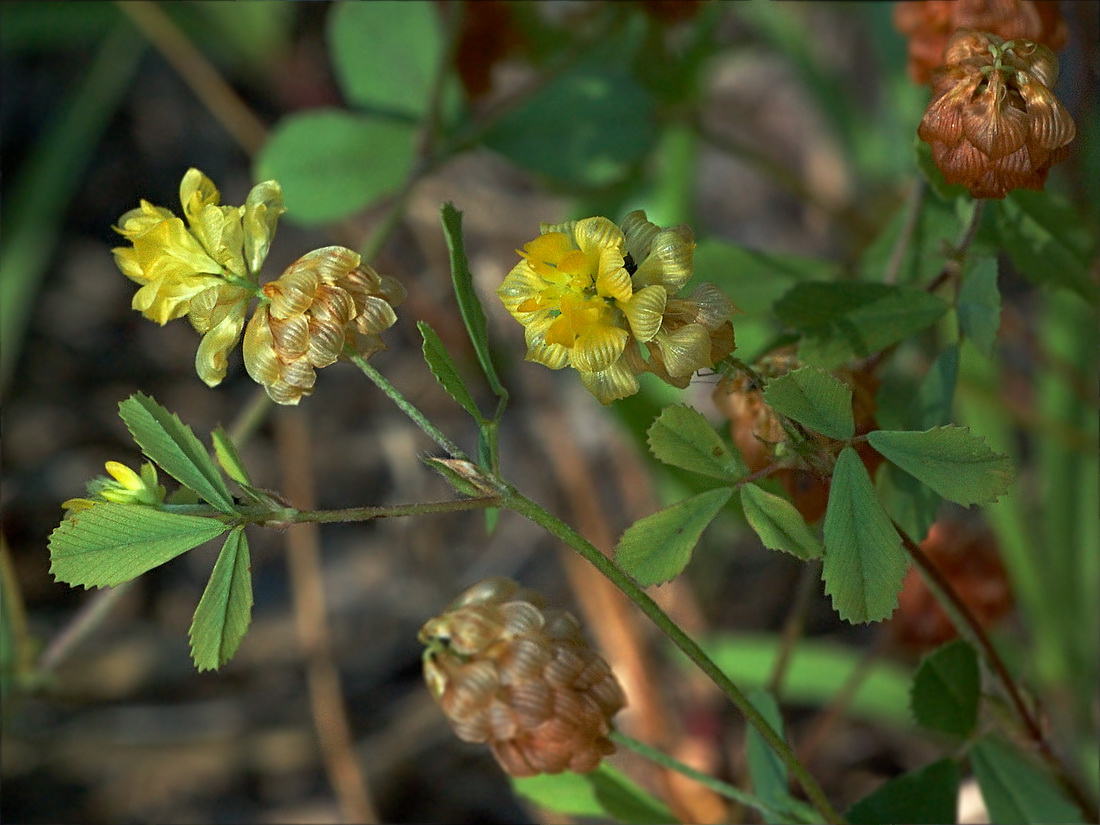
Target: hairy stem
x=516 y=501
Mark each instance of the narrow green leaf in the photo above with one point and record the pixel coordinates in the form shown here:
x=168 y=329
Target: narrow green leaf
x=332 y=163
x=979 y=304
x=445 y=370
x=912 y=505
x=864 y=563
x=843 y=320
x=113 y=543
x=173 y=446
x=814 y=398
x=936 y=395
x=386 y=55
x=951 y=460
x=923 y=797
x=603 y=792
x=682 y=436
x=225 y=609
x=657 y=548
x=225 y=451
x=1015 y=790
x=778 y=523
x=770 y=783
x=473 y=314
x=946 y=689
x=1048 y=241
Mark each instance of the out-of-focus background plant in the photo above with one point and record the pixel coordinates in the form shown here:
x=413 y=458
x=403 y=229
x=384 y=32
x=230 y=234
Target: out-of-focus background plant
x=785 y=135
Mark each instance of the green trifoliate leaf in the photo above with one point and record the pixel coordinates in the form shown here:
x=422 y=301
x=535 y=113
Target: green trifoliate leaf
x=175 y=449
x=923 y=797
x=778 y=523
x=946 y=689
x=1014 y=789
x=682 y=436
x=815 y=399
x=979 y=304
x=228 y=457
x=112 y=543
x=657 y=548
x=864 y=563
x=951 y=460
x=225 y=609
x=445 y=370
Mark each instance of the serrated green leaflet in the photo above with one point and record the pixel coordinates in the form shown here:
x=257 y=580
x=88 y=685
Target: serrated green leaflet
x=174 y=448
x=979 y=304
x=225 y=451
x=864 y=563
x=911 y=505
x=854 y=319
x=332 y=163
x=682 y=436
x=113 y=543
x=657 y=548
x=779 y=525
x=473 y=315
x=951 y=460
x=225 y=609
x=386 y=55
x=946 y=689
x=603 y=792
x=445 y=370
x=923 y=797
x=1015 y=790
x=815 y=399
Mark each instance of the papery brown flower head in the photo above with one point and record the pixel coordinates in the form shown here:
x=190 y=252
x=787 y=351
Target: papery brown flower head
x=929 y=25
x=323 y=302
x=519 y=676
x=993 y=124
x=757 y=432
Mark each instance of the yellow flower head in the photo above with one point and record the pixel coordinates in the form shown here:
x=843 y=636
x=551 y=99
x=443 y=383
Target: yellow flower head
x=174 y=261
x=590 y=293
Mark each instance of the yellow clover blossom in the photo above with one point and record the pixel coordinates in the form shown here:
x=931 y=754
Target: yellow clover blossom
x=590 y=293
x=207 y=268
x=124 y=487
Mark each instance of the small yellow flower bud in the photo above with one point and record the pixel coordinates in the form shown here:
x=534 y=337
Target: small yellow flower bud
x=124 y=487
x=507 y=671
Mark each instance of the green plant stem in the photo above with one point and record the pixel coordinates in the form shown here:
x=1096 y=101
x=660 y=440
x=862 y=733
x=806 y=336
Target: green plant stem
x=527 y=508
x=972 y=628
x=406 y=407
x=396 y=511
x=718 y=786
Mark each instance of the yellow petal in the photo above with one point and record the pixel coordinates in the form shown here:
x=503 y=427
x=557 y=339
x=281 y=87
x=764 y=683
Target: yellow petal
x=520 y=290
x=643 y=311
x=212 y=356
x=260 y=216
x=553 y=356
x=124 y=475
x=259 y=349
x=639 y=234
x=669 y=263
x=712 y=307
x=685 y=350
x=611 y=384
x=598 y=347
x=196 y=192
x=595 y=234
x=218 y=229
x=613 y=281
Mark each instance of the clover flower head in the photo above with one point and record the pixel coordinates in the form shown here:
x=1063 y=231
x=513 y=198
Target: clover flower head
x=324 y=302
x=123 y=487
x=994 y=124
x=508 y=671
x=590 y=294
x=173 y=261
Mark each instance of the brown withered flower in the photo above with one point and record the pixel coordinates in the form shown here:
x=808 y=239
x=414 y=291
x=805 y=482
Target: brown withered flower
x=507 y=671
x=993 y=124
x=757 y=432
x=929 y=24
x=323 y=302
